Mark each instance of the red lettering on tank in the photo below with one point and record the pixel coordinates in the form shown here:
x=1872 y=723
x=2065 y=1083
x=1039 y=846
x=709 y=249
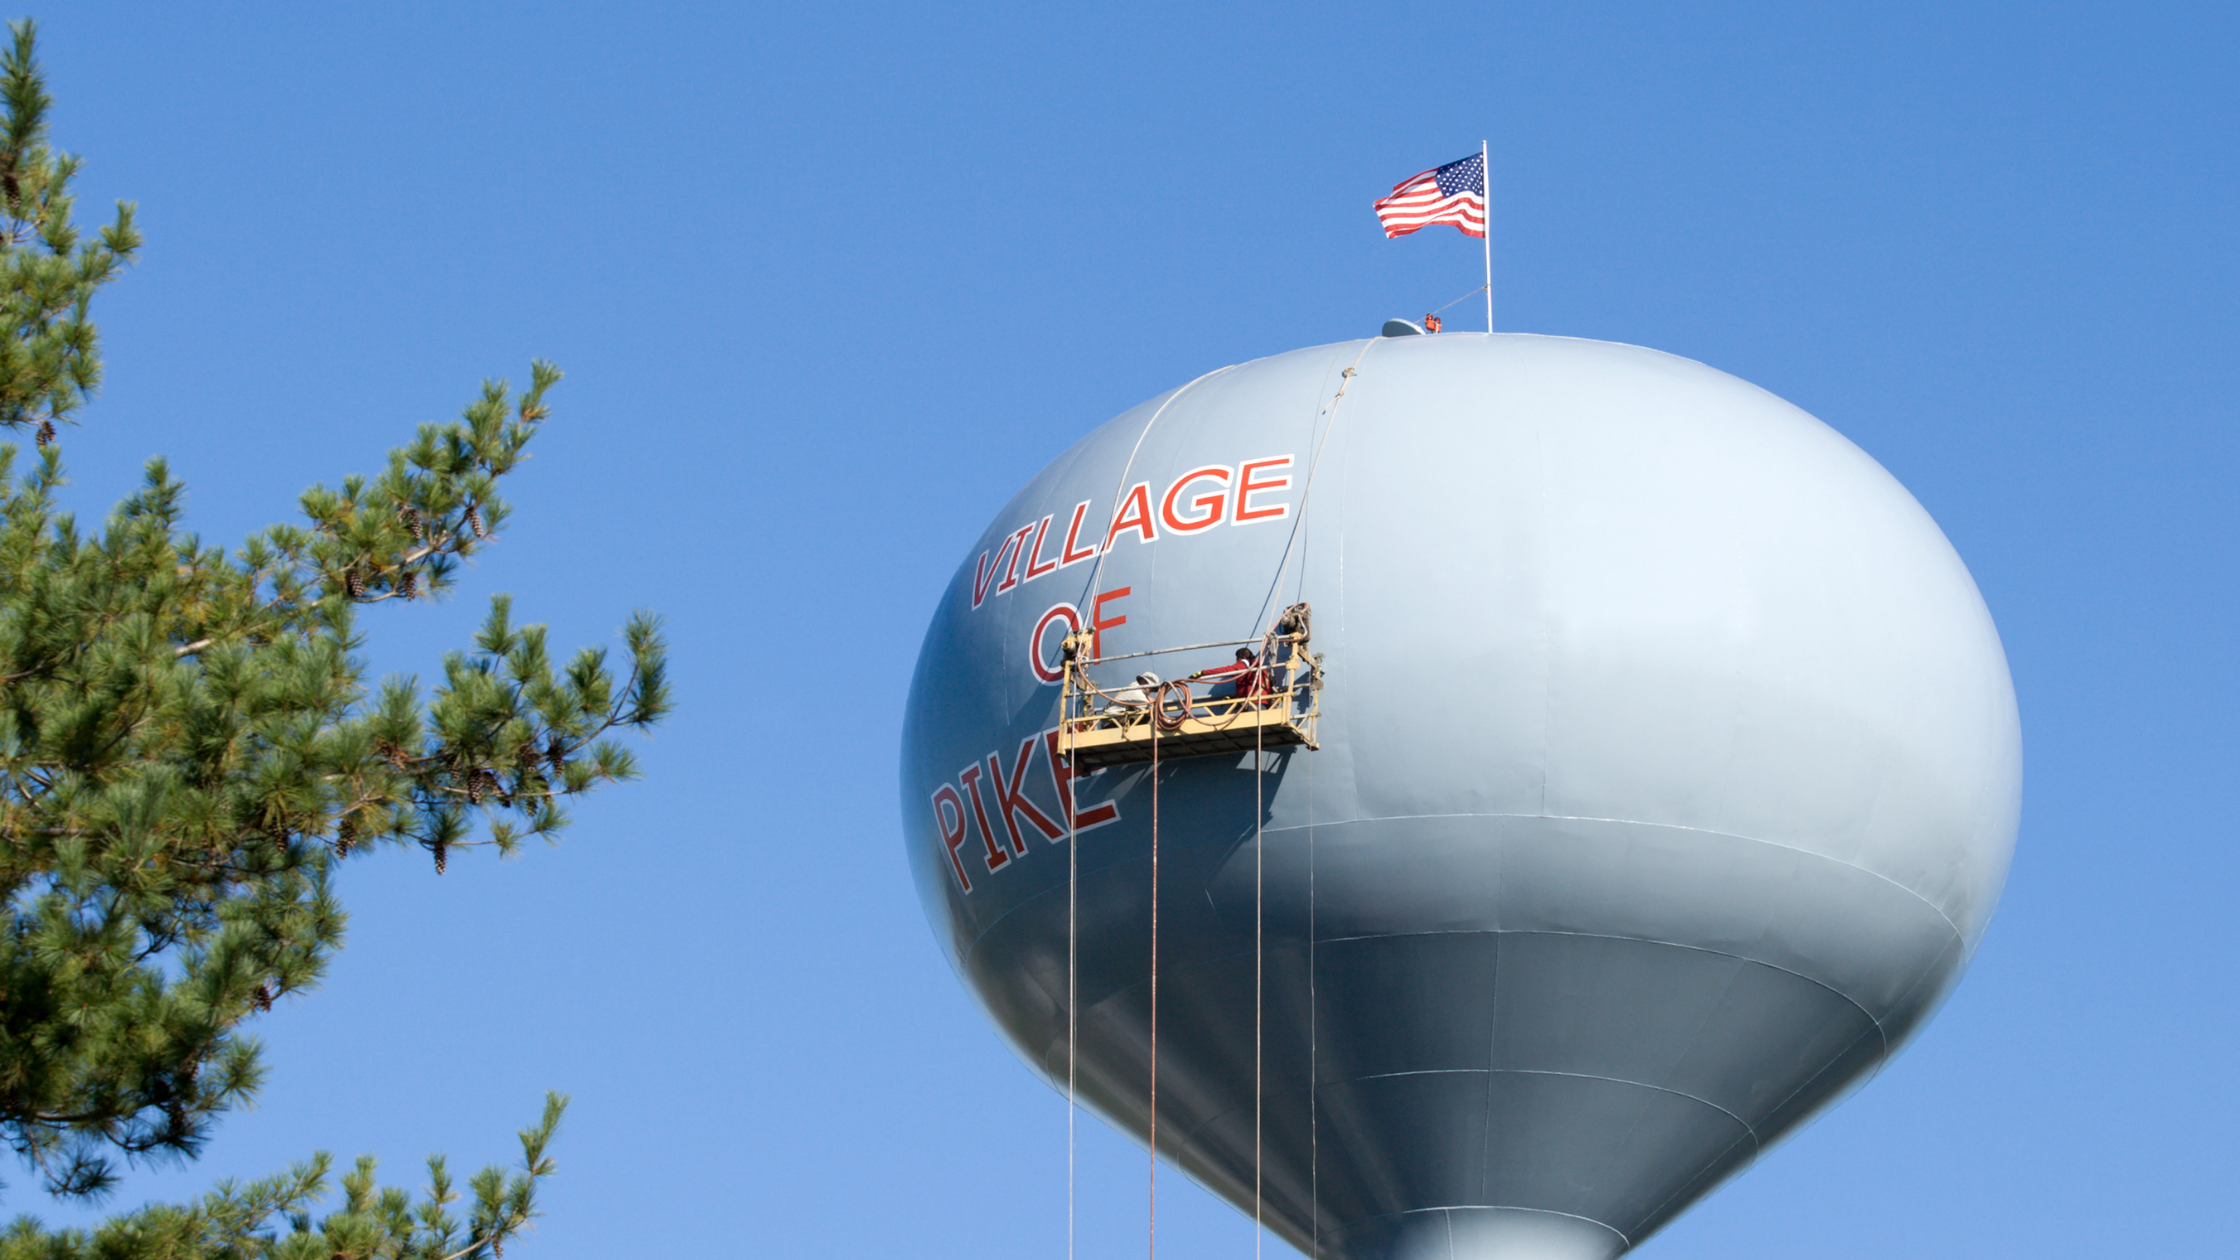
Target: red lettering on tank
x=1210 y=506
x=1036 y=565
x=970 y=777
x=1042 y=669
x=1073 y=531
x=1134 y=514
x=1097 y=623
x=951 y=836
x=1231 y=496
x=1011 y=801
x=1247 y=487
x=984 y=574
x=1018 y=549
x=1061 y=778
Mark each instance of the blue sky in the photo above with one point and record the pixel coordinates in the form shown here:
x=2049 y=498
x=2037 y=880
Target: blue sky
x=831 y=281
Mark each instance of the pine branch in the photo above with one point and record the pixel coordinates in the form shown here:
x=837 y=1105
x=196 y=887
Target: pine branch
x=188 y=746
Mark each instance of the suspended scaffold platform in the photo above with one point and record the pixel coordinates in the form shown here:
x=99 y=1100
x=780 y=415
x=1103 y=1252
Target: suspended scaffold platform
x=1270 y=702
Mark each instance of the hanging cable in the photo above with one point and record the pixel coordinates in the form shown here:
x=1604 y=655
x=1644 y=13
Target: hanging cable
x=1096 y=577
x=1073 y=963
x=1096 y=574
x=1314 y=1047
x=1296 y=542
x=1464 y=298
x=1314 y=1042
x=1152 y=1229
x=1160 y=720
x=1259 y=904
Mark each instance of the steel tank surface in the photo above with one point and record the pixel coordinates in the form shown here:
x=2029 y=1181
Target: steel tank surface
x=1668 y=775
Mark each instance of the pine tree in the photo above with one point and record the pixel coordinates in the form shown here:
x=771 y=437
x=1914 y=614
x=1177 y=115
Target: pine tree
x=189 y=748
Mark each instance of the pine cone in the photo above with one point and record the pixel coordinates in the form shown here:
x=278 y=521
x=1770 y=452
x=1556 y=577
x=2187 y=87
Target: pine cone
x=354 y=582
x=474 y=520
x=262 y=999
x=46 y=432
x=443 y=857
x=557 y=755
x=345 y=836
x=413 y=522
x=409 y=585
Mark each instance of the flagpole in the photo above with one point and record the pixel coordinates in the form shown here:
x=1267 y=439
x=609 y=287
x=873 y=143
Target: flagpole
x=1485 y=172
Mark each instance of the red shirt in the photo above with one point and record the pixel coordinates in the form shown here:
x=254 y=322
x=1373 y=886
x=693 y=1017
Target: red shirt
x=1251 y=679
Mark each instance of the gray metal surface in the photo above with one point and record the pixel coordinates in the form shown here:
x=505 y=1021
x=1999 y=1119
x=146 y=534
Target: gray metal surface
x=1669 y=776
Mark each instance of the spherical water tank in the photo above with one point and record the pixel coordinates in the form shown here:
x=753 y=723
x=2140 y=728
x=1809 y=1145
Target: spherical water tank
x=1667 y=776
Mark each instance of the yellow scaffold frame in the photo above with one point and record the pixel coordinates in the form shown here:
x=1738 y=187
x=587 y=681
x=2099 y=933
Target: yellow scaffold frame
x=1097 y=729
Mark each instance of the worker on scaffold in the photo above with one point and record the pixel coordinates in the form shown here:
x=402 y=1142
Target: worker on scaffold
x=1130 y=703
x=1244 y=681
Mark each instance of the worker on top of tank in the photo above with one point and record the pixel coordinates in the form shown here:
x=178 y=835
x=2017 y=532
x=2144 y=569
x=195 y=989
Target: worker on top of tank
x=1243 y=680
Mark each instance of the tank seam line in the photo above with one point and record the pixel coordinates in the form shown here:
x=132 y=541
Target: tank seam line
x=1639 y=822
x=1950 y=926
x=1667 y=1200
x=1747 y=1127
x=1853 y=1002
x=1504 y=1207
x=1646 y=940
x=1755 y=1141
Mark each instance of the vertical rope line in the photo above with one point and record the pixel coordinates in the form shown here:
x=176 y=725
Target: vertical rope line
x=1314 y=1008
x=1073 y=966
x=1096 y=572
x=1314 y=1046
x=1259 y=1088
x=1306 y=491
x=1073 y=876
x=1153 y=1207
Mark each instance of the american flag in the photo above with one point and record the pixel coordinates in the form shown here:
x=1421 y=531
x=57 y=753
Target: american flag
x=1454 y=193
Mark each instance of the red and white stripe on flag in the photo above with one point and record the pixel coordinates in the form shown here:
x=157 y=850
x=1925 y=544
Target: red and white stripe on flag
x=1454 y=193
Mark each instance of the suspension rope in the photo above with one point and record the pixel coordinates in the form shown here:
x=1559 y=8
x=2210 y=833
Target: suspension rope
x=1073 y=968
x=1073 y=882
x=1314 y=1049
x=1259 y=887
x=1096 y=574
x=1259 y=1088
x=1465 y=297
x=1259 y=890
x=1314 y=1005
x=1153 y=1226
x=1299 y=523
x=1314 y=1046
